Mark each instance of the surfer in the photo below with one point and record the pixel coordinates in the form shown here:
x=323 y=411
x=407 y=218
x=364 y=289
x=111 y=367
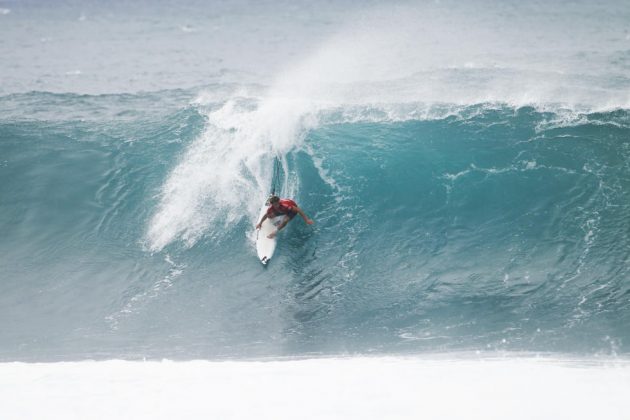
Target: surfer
x=282 y=207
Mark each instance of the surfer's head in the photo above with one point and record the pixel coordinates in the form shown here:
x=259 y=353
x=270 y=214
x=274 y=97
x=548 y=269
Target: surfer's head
x=273 y=200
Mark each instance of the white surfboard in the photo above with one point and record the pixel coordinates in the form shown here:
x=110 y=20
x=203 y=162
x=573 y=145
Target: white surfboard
x=264 y=245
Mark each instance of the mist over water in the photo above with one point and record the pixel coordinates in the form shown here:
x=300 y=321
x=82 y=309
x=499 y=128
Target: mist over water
x=466 y=166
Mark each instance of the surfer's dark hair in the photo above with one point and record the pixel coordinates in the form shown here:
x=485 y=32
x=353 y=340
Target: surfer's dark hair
x=274 y=199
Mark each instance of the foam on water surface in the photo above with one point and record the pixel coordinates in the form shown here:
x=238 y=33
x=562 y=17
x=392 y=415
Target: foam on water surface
x=546 y=388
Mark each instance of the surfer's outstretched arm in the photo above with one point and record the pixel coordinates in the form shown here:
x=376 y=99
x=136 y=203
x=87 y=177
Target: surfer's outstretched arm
x=304 y=216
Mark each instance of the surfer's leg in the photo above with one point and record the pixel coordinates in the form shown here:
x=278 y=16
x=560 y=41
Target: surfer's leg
x=287 y=218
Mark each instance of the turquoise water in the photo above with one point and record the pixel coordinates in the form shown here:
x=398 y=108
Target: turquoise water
x=479 y=200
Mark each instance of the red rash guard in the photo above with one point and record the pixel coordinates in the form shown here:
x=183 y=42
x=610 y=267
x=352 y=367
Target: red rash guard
x=286 y=207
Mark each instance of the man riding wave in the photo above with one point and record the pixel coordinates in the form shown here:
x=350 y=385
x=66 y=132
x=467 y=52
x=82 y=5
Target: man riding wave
x=282 y=207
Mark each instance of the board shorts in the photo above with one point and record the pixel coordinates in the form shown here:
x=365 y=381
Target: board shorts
x=289 y=214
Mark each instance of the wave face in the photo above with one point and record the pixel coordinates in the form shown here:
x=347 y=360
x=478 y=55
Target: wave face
x=477 y=227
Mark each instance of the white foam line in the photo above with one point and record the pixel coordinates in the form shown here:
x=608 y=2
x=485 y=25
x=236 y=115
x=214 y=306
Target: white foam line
x=351 y=388
x=162 y=284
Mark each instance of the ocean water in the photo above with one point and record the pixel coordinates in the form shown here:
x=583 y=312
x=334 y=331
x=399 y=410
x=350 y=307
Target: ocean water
x=467 y=168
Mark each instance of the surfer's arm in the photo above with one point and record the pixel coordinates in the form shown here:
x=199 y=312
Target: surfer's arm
x=259 y=225
x=304 y=216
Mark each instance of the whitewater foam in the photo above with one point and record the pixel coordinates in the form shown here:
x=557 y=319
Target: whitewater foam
x=226 y=172
x=361 y=388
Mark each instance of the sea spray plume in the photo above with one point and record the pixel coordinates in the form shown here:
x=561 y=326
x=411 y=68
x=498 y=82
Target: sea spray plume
x=231 y=161
x=464 y=54
x=220 y=175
